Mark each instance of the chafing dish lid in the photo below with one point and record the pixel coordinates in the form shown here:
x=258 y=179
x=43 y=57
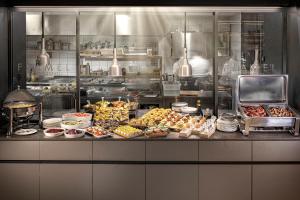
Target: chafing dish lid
x=18 y=96
x=262 y=89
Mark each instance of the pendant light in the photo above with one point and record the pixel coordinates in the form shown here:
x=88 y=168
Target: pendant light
x=115 y=70
x=43 y=59
x=185 y=69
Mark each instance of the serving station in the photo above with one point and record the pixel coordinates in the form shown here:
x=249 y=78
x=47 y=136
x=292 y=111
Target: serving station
x=149 y=103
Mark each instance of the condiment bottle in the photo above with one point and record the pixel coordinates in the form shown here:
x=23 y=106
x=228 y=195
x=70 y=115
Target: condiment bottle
x=199 y=109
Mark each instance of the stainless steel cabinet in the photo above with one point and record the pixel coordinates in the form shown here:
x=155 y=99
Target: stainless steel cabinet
x=226 y=182
x=276 y=182
x=172 y=151
x=66 y=181
x=174 y=182
x=276 y=151
x=19 y=150
x=119 y=150
x=66 y=150
x=19 y=181
x=224 y=151
x=118 y=181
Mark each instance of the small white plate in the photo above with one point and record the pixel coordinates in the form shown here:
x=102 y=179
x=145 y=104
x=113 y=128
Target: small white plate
x=25 y=132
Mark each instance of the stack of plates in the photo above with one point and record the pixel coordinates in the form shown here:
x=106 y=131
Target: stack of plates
x=52 y=122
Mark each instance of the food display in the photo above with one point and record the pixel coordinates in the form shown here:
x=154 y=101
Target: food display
x=118 y=111
x=74 y=133
x=263 y=105
x=128 y=131
x=176 y=120
x=255 y=111
x=54 y=132
x=98 y=132
x=102 y=103
x=151 y=118
x=280 y=112
x=111 y=113
x=154 y=132
x=75 y=124
x=119 y=104
x=77 y=117
x=107 y=124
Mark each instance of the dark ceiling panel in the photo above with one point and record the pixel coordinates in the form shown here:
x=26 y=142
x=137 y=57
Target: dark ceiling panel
x=148 y=2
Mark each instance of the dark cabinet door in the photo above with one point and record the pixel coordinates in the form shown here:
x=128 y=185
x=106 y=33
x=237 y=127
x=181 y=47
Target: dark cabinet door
x=174 y=182
x=118 y=181
x=19 y=181
x=65 y=181
x=276 y=182
x=226 y=182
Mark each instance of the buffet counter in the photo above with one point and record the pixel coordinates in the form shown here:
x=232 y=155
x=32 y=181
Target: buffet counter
x=259 y=166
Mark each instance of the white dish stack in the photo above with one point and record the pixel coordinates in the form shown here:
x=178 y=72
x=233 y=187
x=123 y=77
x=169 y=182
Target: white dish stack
x=227 y=122
x=52 y=123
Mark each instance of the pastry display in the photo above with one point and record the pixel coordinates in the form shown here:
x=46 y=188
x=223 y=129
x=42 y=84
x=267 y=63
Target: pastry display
x=280 y=112
x=119 y=104
x=98 y=132
x=111 y=113
x=102 y=103
x=74 y=133
x=154 y=132
x=107 y=124
x=118 y=111
x=151 y=118
x=54 y=132
x=254 y=111
x=128 y=131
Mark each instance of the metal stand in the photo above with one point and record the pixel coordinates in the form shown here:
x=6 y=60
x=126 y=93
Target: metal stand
x=41 y=115
x=11 y=117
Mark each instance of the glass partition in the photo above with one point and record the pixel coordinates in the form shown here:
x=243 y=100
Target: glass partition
x=238 y=37
x=56 y=82
x=221 y=45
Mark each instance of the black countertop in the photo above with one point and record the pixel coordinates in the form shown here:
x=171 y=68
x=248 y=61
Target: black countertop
x=173 y=136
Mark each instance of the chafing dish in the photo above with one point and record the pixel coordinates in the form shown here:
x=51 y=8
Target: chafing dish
x=21 y=106
x=261 y=93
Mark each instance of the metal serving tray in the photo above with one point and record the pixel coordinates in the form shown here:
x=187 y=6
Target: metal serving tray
x=266 y=91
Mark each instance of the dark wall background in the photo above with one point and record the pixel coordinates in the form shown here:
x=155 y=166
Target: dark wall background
x=293 y=58
x=4 y=75
x=18 y=52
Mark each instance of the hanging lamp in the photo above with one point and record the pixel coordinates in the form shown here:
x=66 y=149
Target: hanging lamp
x=115 y=70
x=43 y=59
x=185 y=69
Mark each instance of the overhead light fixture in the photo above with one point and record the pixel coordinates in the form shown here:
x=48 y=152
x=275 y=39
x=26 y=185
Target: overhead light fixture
x=185 y=69
x=115 y=70
x=43 y=59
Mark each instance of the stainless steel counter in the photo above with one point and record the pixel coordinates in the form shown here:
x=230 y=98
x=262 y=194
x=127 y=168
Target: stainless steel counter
x=218 y=135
